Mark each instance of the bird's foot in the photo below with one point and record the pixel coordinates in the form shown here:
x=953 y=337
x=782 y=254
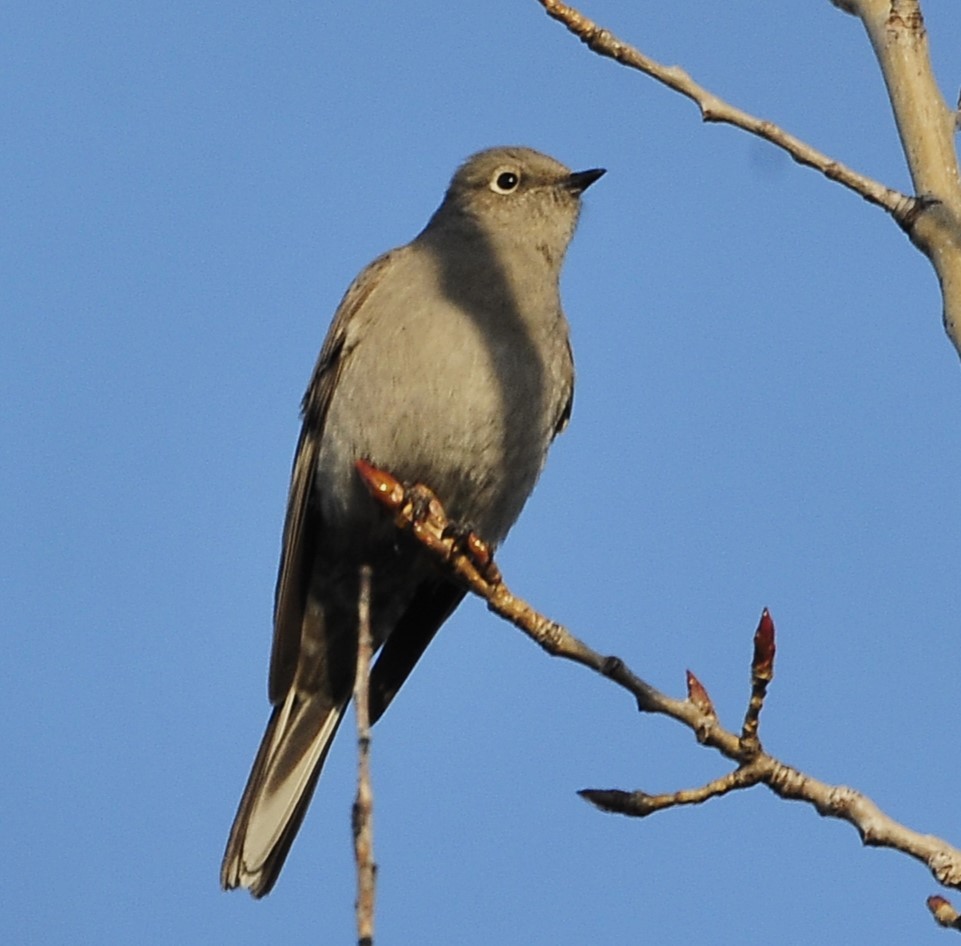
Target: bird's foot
x=473 y=547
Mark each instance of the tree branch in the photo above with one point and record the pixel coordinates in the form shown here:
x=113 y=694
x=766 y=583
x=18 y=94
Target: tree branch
x=715 y=109
x=932 y=219
x=926 y=125
x=418 y=511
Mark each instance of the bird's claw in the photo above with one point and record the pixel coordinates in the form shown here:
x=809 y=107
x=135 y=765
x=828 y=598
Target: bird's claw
x=473 y=547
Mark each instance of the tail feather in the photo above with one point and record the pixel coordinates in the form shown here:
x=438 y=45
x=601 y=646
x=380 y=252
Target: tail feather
x=278 y=791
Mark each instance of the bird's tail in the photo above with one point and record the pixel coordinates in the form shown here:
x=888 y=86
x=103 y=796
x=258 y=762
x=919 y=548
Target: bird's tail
x=278 y=791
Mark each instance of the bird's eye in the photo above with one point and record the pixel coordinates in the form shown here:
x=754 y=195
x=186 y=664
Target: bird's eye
x=504 y=181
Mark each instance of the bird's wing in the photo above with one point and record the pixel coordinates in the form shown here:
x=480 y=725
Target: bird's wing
x=300 y=533
x=432 y=604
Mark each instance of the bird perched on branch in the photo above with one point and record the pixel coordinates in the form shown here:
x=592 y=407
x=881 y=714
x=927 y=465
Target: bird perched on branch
x=447 y=363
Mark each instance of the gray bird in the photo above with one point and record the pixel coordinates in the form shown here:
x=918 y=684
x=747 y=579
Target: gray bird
x=447 y=363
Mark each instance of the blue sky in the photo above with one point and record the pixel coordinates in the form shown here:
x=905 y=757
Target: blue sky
x=767 y=414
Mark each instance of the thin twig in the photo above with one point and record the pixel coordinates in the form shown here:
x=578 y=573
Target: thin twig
x=640 y=804
x=926 y=125
x=418 y=511
x=715 y=109
x=363 y=810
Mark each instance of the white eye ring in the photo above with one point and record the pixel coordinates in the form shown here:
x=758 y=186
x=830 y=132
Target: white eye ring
x=505 y=180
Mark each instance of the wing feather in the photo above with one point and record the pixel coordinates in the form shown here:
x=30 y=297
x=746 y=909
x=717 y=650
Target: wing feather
x=301 y=528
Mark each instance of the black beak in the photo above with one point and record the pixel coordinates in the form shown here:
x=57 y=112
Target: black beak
x=579 y=181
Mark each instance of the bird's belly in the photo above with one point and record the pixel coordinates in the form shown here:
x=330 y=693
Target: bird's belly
x=474 y=428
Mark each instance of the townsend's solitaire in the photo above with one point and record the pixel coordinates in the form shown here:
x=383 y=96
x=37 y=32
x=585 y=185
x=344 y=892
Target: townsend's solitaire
x=447 y=363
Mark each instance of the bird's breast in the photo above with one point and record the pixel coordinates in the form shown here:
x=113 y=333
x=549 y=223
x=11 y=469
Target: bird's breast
x=461 y=398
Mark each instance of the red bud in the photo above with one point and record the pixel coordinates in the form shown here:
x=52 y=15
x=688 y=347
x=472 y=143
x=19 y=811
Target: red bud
x=764 y=648
x=385 y=488
x=698 y=695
